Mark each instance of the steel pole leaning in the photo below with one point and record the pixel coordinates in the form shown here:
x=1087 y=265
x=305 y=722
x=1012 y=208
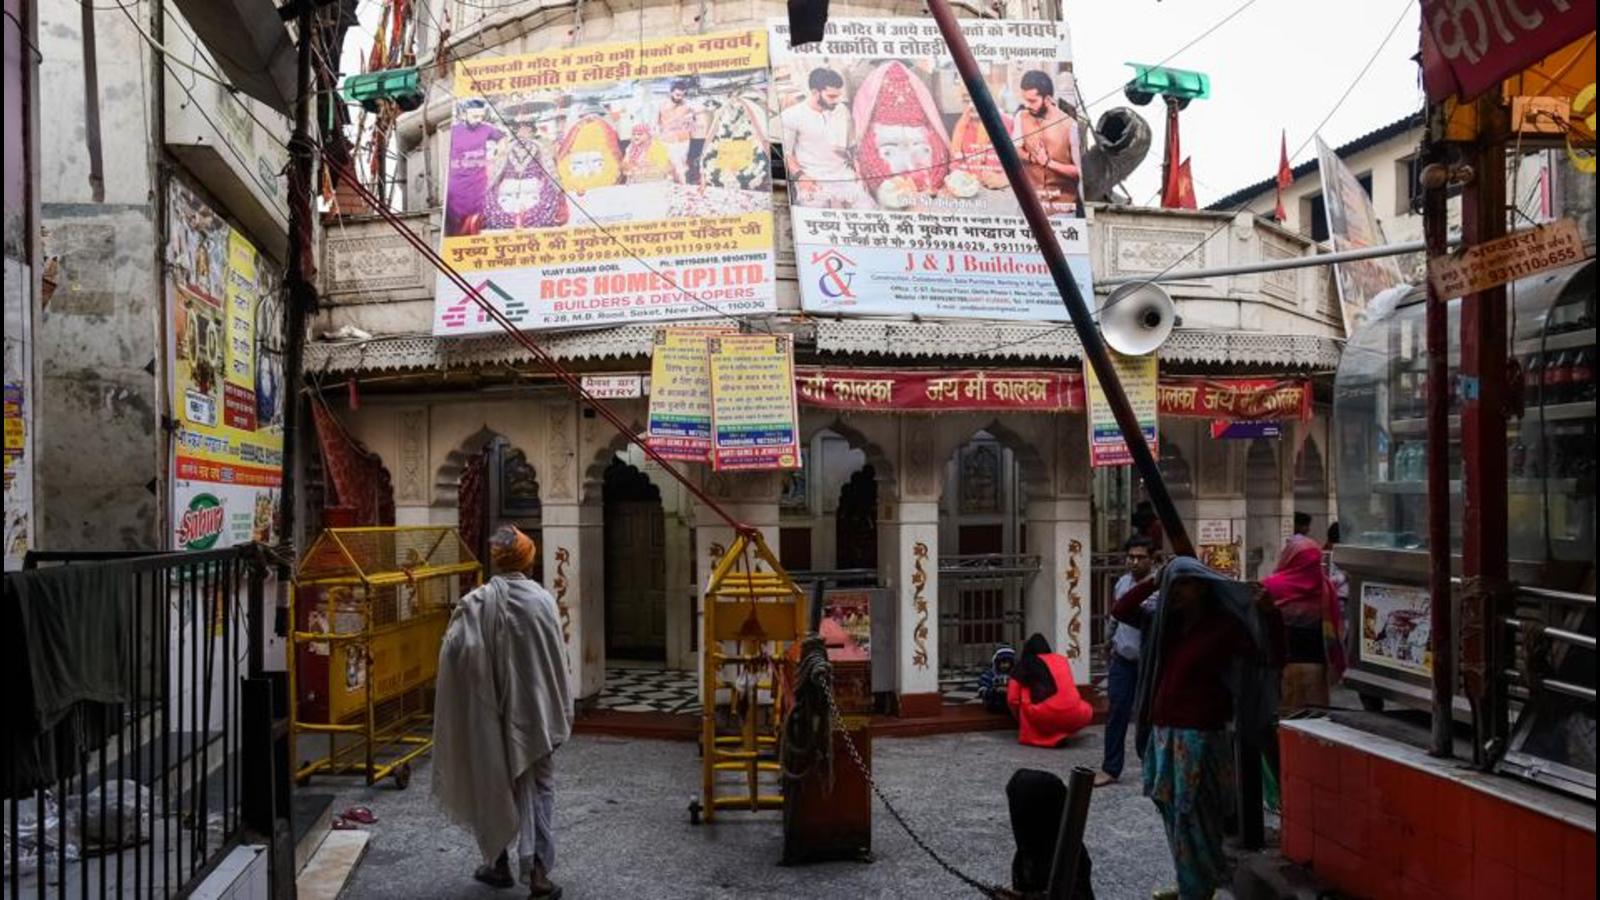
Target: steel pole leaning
x=1095 y=353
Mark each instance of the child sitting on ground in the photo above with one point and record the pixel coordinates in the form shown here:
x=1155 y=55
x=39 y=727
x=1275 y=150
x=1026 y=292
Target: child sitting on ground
x=992 y=684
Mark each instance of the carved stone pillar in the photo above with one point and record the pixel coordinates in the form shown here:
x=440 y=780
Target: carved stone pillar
x=1058 y=603
x=574 y=563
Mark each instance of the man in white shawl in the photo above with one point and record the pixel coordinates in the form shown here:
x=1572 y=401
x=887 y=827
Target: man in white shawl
x=502 y=708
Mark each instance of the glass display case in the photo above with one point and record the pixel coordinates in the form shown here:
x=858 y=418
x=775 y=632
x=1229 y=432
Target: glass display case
x=1380 y=402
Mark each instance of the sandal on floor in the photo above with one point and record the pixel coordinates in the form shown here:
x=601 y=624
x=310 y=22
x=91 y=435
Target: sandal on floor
x=487 y=874
x=360 y=814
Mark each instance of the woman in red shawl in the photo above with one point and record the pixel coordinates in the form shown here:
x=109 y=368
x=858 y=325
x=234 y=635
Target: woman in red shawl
x=1044 y=698
x=1302 y=592
x=902 y=149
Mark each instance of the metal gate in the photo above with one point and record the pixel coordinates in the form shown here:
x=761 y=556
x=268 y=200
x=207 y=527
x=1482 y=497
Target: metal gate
x=980 y=607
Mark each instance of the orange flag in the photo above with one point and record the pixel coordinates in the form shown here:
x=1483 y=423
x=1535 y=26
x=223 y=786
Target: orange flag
x=1285 y=174
x=1184 y=194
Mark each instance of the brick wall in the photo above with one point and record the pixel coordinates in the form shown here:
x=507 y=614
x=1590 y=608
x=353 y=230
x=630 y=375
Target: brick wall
x=1372 y=827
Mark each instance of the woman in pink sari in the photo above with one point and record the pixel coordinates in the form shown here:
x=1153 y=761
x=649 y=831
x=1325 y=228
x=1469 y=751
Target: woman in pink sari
x=1312 y=628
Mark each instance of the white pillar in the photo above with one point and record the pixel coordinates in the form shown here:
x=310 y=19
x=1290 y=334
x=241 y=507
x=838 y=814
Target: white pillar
x=914 y=581
x=1058 y=600
x=574 y=565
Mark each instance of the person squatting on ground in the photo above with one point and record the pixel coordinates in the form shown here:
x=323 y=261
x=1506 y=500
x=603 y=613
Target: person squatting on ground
x=1122 y=673
x=1212 y=653
x=502 y=707
x=1044 y=698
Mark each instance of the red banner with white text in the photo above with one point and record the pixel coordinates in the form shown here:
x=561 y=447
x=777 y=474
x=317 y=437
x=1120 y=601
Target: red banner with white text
x=988 y=390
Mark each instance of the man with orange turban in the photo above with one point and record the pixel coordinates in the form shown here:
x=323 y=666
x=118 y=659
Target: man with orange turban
x=502 y=707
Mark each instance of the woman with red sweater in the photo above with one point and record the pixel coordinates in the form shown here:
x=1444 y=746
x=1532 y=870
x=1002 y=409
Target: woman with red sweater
x=1043 y=697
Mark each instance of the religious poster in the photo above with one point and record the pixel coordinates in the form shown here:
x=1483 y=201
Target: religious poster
x=898 y=199
x=847 y=623
x=224 y=353
x=1353 y=225
x=1138 y=377
x=1396 y=627
x=754 y=419
x=679 y=423
x=1217 y=547
x=608 y=184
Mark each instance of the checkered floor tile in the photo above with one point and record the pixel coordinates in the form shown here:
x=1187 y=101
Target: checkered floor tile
x=650 y=690
x=959 y=687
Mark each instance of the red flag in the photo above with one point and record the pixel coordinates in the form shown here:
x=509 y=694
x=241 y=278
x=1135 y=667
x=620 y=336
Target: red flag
x=1285 y=174
x=1185 y=195
x=1171 y=188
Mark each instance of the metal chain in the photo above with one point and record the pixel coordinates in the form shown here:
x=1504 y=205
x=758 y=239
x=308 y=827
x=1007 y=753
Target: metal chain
x=988 y=890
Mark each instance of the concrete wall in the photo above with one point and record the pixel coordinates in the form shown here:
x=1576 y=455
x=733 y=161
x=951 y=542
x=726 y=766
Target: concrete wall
x=98 y=412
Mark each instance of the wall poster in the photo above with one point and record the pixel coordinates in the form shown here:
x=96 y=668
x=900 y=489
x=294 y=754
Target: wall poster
x=1396 y=627
x=679 y=422
x=224 y=359
x=1138 y=375
x=899 y=203
x=754 y=416
x=610 y=183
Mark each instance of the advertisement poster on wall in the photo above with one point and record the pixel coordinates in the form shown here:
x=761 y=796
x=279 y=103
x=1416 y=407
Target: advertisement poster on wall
x=899 y=203
x=1353 y=225
x=224 y=356
x=610 y=183
x=1138 y=375
x=1396 y=627
x=754 y=417
x=679 y=425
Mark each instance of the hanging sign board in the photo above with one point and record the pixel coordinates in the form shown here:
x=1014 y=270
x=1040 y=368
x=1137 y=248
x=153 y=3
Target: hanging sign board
x=1506 y=259
x=1468 y=46
x=679 y=425
x=1138 y=377
x=754 y=419
x=1353 y=225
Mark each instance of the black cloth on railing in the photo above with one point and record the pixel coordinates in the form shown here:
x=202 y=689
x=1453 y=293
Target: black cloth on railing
x=64 y=639
x=1037 y=801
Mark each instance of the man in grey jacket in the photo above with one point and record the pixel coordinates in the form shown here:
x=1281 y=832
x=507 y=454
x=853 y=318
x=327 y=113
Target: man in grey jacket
x=502 y=707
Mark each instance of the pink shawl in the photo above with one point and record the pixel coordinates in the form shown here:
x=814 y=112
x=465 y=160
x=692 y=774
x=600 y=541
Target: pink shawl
x=1300 y=587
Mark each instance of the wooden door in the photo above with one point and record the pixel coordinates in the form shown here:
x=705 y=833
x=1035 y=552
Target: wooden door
x=636 y=589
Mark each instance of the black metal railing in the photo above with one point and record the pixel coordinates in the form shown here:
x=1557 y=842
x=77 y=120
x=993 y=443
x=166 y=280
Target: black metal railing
x=1544 y=669
x=141 y=793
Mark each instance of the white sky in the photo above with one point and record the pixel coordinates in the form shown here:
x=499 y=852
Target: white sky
x=1280 y=64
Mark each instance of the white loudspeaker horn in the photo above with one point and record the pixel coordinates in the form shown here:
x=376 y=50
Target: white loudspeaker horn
x=1137 y=318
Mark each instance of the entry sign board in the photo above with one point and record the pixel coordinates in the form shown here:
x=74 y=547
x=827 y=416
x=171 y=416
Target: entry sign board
x=754 y=418
x=1138 y=376
x=1506 y=259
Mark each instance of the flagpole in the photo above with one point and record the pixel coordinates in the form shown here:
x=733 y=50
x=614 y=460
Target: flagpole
x=1095 y=353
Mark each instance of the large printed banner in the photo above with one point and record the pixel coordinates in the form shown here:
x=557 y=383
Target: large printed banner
x=983 y=390
x=227 y=376
x=1139 y=383
x=1353 y=225
x=754 y=420
x=899 y=203
x=969 y=390
x=610 y=183
x=1236 y=399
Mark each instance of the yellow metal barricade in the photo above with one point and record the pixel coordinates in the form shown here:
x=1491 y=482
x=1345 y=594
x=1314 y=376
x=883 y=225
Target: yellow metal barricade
x=751 y=617
x=369 y=608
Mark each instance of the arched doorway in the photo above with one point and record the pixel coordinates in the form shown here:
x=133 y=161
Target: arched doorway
x=856 y=521
x=1263 y=509
x=635 y=566
x=1311 y=486
x=498 y=486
